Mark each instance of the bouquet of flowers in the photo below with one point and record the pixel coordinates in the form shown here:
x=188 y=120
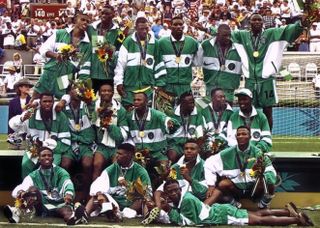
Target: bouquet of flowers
x=105 y=113
x=137 y=190
x=258 y=167
x=142 y=157
x=33 y=146
x=84 y=90
x=69 y=52
x=105 y=52
x=257 y=171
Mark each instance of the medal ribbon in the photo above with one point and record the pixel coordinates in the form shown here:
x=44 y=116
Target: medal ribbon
x=45 y=182
x=47 y=124
x=247 y=121
x=185 y=124
x=177 y=52
x=76 y=114
x=222 y=55
x=255 y=41
x=141 y=122
x=143 y=50
x=242 y=166
x=213 y=115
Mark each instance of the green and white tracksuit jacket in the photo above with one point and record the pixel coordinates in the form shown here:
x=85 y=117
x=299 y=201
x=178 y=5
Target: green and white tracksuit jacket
x=179 y=75
x=56 y=75
x=190 y=127
x=191 y=211
x=198 y=186
x=85 y=136
x=108 y=182
x=226 y=164
x=271 y=46
x=61 y=183
x=133 y=72
x=112 y=38
x=154 y=133
x=117 y=131
x=260 y=130
x=214 y=76
x=208 y=114
x=36 y=128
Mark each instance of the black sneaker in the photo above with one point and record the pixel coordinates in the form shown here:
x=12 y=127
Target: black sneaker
x=80 y=216
x=12 y=214
x=153 y=214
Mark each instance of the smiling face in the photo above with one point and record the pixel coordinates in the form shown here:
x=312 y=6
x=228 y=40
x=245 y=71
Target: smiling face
x=82 y=22
x=173 y=191
x=106 y=93
x=245 y=103
x=46 y=158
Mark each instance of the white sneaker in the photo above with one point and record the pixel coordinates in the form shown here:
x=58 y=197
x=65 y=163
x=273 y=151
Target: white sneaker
x=12 y=214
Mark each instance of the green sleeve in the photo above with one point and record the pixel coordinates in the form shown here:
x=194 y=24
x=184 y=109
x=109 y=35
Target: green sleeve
x=119 y=132
x=199 y=190
x=159 y=67
x=65 y=184
x=63 y=141
x=269 y=175
x=85 y=64
x=86 y=136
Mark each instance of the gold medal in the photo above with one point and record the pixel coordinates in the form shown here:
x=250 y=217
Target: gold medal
x=178 y=59
x=256 y=54
x=223 y=67
x=77 y=127
x=141 y=134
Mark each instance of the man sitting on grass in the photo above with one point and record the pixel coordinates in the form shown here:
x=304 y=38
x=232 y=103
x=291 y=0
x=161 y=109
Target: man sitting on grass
x=186 y=209
x=46 y=191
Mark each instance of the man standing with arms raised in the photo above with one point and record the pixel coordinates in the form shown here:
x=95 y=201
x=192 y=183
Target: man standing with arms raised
x=261 y=54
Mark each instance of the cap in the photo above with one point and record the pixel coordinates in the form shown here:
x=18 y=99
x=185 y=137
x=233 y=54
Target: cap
x=23 y=81
x=49 y=143
x=165 y=25
x=243 y=91
x=10 y=68
x=315 y=23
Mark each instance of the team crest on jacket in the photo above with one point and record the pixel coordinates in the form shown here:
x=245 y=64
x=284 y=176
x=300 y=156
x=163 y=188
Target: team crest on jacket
x=256 y=135
x=150 y=135
x=187 y=60
x=231 y=66
x=149 y=61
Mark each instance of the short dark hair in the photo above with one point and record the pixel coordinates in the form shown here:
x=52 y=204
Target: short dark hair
x=177 y=17
x=214 y=90
x=170 y=181
x=184 y=95
x=127 y=147
x=108 y=6
x=141 y=20
x=244 y=126
x=48 y=94
x=43 y=148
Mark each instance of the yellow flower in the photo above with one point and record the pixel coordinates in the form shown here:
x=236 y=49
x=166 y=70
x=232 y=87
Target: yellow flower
x=173 y=174
x=252 y=173
x=18 y=203
x=65 y=48
x=139 y=156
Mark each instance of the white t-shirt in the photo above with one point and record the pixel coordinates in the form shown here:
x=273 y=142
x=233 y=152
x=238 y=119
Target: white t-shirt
x=11 y=79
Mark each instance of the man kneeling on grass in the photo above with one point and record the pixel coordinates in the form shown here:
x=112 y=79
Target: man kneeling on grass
x=186 y=209
x=47 y=191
